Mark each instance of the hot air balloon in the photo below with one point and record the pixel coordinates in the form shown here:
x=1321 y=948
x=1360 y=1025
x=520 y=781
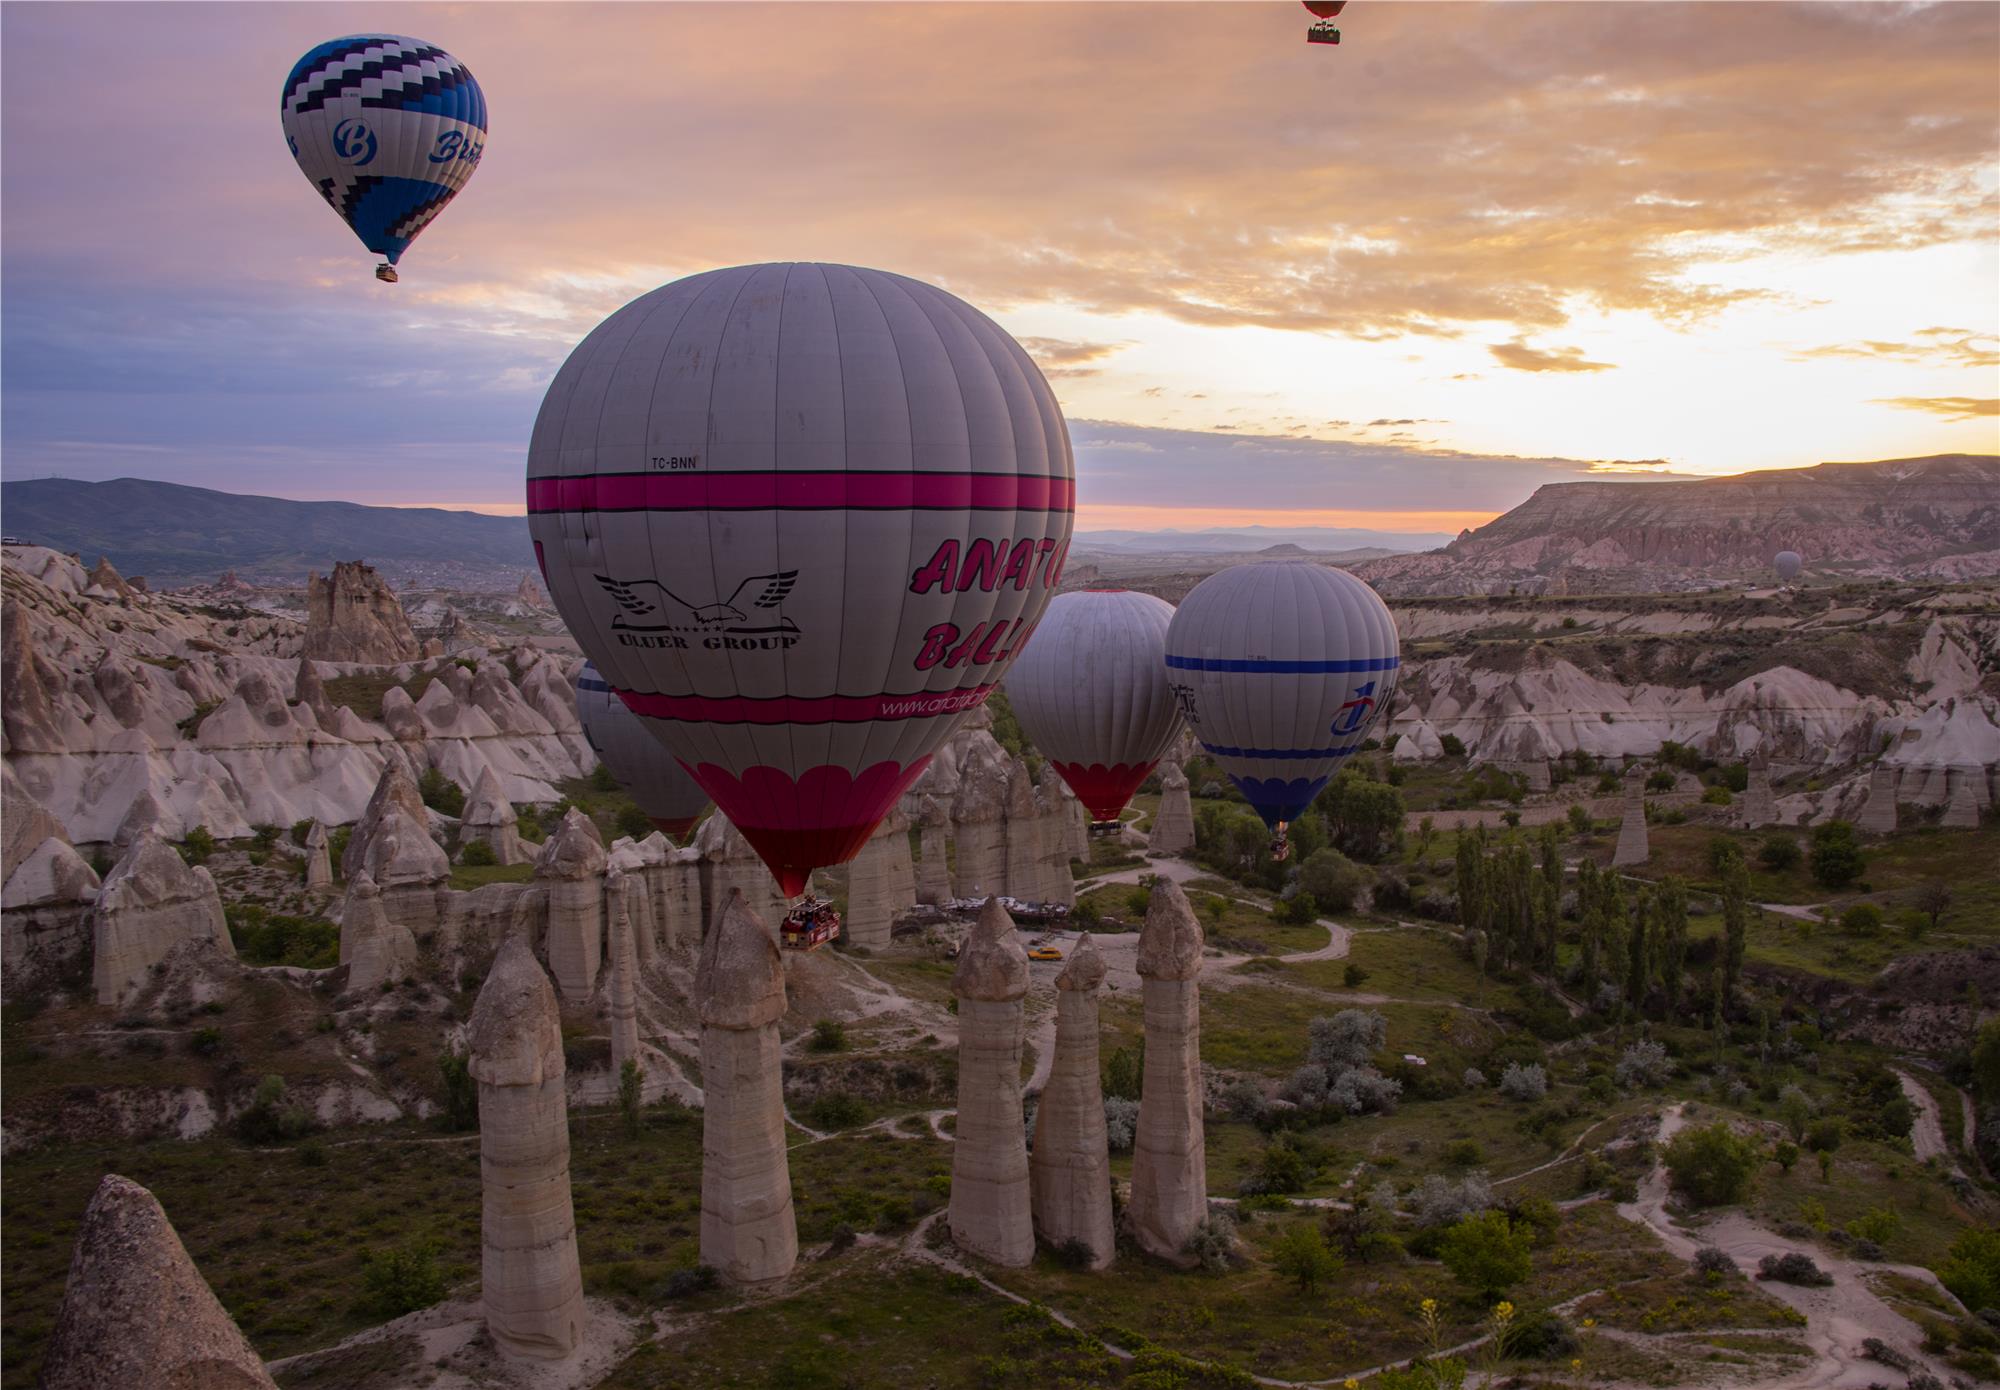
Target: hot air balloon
x=648 y=773
x=1324 y=11
x=1280 y=668
x=1788 y=563
x=1092 y=693
x=388 y=129
x=802 y=518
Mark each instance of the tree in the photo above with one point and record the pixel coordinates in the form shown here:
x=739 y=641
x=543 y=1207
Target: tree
x=1637 y=961
x=1795 y=1109
x=1712 y=1165
x=1836 y=858
x=1933 y=900
x=1986 y=1061
x=461 y=1093
x=1972 y=1269
x=1580 y=823
x=440 y=793
x=1590 y=925
x=1332 y=879
x=1785 y=1155
x=1300 y=1254
x=1735 y=922
x=1486 y=1253
x=1548 y=898
x=1778 y=852
x=633 y=822
x=1472 y=906
x=631 y=1090
x=1670 y=904
x=1426 y=836
x=1364 y=817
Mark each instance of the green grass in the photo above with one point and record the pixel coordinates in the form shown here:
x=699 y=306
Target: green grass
x=467 y=877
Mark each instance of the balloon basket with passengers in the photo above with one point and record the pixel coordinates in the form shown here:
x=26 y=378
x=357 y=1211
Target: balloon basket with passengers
x=810 y=924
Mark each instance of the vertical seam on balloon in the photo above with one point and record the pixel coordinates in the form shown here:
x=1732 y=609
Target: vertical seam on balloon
x=725 y=742
x=778 y=520
x=833 y=736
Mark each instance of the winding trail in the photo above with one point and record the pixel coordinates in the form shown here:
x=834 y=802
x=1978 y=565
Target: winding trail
x=1837 y=1318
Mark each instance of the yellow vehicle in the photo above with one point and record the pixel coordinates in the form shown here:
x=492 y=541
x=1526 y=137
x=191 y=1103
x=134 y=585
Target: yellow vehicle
x=1045 y=953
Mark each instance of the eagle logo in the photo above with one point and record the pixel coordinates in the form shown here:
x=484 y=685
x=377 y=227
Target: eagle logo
x=661 y=609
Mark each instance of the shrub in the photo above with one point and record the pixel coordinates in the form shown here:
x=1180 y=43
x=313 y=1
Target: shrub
x=1464 y=1153
x=1213 y=1243
x=1778 y=852
x=1793 y=1269
x=1441 y=1201
x=197 y=846
x=1711 y=1264
x=1300 y=1254
x=262 y=937
x=1474 y=1079
x=1540 y=1335
x=1716 y=796
x=1863 y=919
x=602 y=779
x=1124 y=1070
x=1243 y=1099
x=632 y=822
x=477 y=854
x=685 y=1283
x=440 y=793
x=1971 y=1270
x=1486 y=1253
x=631 y=1094
x=1121 y=1123
x=272 y=1118
x=1332 y=879
x=836 y=1110
x=1353 y=976
x=1836 y=858
x=1712 y=1165
x=1644 y=1063
x=828 y=1035
x=461 y=1092
x=1452 y=746
x=206 y=1042
x=1524 y=1083
x=1877 y=1225
x=401 y=1280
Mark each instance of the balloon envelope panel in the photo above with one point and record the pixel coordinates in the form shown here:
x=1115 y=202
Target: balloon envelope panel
x=388 y=129
x=801 y=517
x=1280 y=669
x=1091 y=691
x=660 y=786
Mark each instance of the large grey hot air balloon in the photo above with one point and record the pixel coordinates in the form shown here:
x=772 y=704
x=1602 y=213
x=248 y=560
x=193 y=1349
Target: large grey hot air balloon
x=801 y=517
x=1280 y=669
x=660 y=786
x=1091 y=691
x=1788 y=563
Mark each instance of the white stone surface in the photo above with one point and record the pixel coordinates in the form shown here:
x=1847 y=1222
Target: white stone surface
x=991 y=1198
x=1169 y=1154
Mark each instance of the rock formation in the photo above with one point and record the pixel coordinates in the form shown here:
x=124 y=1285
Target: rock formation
x=1076 y=822
x=1173 y=823
x=319 y=867
x=1056 y=883
x=1070 y=1169
x=1878 y=817
x=747 y=1229
x=933 y=870
x=408 y=867
x=352 y=616
x=673 y=881
x=394 y=787
x=1169 y=1157
x=489 y=818
x=1757 y=806
x=619 y=891
x=136 y=1313
x=991 y=1202
x=1027 y=838
x=979 y=828
x=150 y=903
x=729 y=865
x=881 y=884
x=24 y=823
x=1633 y=846
x=1962 y=811
x=530 y=1281
x=571 y=867
x=310 y=691
x=375 y=950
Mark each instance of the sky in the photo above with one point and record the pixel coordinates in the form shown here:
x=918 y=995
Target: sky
x=1394 y=284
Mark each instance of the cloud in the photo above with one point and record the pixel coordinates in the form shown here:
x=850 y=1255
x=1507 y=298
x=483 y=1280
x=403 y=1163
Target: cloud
x=1947 y=347
x=1522 y=358
x=1060 y=357
x=1952 y=408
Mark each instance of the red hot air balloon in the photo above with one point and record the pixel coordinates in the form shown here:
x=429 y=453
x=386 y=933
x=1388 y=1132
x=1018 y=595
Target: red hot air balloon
x=801 y=518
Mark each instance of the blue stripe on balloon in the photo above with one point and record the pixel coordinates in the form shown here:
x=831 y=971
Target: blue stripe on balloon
x=586 y=683
x=378 y=209
x=1284 y=668
x=1274 y=800
x=1223 y=752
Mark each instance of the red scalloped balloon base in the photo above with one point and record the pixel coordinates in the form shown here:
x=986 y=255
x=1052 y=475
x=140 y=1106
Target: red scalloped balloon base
x=796 y=825
x=1104 y=790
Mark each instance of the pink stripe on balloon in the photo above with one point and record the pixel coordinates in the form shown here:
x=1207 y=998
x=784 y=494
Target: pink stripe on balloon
x=800 y=490
x=792 y=709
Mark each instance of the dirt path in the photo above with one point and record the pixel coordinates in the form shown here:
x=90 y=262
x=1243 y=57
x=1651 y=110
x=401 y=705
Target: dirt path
x=1927 y=1134
x=1838 y=1317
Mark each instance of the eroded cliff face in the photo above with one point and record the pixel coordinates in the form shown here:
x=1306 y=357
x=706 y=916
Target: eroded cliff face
x=351 y=615
x=120 y=702
x=1912 y=519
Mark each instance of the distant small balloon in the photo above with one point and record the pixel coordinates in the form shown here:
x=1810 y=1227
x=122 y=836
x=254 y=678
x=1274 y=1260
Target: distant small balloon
x=670 y=798
x=1788 y=564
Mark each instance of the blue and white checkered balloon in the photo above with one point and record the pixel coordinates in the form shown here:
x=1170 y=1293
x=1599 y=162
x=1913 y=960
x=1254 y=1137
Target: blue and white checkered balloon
x=388 y=130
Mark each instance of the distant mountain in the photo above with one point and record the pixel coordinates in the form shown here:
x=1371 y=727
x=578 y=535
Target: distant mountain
x=1920 y=518
x=1316 y=540
x=177 y=535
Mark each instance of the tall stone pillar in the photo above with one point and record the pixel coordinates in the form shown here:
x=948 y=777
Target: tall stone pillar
x=319 y=867
x=1962 y=812
x=979 y=830
x=747 y=1229
x=933 y=871
x=1076 y=826
x=1024 y=853
x=530 y=1283
x=572 y=867
x=1878 y=817
x=618 y=894
x=991 y=1207
x=1070 y=1169
x=375 y=950
x=1169 y=1156
x=1758 y=806
x=1058 y=884
x=1633 y=846
x=880 y=885
x=1173 y=823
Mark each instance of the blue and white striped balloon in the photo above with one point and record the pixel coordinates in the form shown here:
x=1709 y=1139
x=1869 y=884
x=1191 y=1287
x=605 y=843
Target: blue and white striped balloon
x=388 y=130
x=1280 y=669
